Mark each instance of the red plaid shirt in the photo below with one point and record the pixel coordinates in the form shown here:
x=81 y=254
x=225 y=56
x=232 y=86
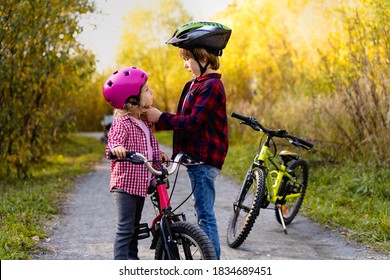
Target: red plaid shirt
x=200 y=124
x=132 y=178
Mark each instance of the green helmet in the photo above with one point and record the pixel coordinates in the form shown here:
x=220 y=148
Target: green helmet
x=211 y=36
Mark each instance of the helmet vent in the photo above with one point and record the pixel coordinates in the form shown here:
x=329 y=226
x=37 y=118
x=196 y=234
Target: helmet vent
x=127 y=73
x=183 y=36
x=109 y=83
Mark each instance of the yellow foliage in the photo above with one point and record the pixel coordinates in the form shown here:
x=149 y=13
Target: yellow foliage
x=308 y=65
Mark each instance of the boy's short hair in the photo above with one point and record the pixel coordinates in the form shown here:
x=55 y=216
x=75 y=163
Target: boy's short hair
x=203 y=55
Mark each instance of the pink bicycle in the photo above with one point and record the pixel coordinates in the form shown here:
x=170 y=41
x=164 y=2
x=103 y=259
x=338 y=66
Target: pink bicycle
x=174 y=238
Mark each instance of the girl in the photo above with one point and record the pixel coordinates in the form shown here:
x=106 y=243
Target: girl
x=127 y=90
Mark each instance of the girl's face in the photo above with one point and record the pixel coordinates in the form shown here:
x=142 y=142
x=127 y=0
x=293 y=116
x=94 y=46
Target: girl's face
x=192 y=66
x=147 y=95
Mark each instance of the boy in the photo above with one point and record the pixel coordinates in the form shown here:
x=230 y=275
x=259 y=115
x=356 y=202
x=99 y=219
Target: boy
x=200 y=123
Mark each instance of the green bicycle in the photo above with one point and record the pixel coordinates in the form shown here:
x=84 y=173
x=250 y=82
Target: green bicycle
x=268 y=181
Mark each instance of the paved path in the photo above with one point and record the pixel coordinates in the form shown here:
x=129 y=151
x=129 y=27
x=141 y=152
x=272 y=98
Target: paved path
x=86 y=229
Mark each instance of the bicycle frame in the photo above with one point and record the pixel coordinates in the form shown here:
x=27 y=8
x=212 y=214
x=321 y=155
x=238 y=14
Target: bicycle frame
x=164 y=214
x=163 y=202
x=274 y=178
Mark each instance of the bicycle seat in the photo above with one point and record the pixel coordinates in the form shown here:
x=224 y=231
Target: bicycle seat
x=287 y=155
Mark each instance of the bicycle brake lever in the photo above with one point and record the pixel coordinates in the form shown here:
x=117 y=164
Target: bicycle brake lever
x=299 y=145
x=304 y=147
x=187 y=160
x=295 y=143
x=252 y=125
x=281 y=133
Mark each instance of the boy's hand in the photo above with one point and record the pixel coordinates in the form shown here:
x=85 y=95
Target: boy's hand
x=119 y=152
x=151 y=114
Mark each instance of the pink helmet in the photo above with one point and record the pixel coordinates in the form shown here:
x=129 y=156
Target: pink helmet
x=122 y=84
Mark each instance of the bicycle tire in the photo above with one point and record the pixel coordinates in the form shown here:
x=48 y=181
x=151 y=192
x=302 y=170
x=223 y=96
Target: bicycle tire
x=247 y=207
x=189 y=242
x=290 y=208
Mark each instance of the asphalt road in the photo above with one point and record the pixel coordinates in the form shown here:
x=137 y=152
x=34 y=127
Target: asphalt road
x=86 y=229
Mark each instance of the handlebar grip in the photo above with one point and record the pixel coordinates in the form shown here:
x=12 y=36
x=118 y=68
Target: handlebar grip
x=129 y=154
x=305 y=143
x=111 y=155
x=241 y=117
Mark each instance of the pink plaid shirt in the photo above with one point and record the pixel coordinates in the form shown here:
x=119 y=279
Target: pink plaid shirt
x=131 y=178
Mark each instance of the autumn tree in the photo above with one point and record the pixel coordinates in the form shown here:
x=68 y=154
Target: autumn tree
x=42 y=70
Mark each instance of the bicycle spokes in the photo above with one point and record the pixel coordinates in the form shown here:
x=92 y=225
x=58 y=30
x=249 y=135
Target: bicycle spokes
x=187 y=247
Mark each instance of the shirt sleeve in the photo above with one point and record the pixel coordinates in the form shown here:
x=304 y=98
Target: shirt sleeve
x=116 y=136
x=192 y=117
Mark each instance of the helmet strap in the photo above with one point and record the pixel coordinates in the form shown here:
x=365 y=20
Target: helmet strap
x=202 y=68
x=134 y=100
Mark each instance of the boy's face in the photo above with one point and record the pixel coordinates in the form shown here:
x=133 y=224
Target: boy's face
x=192 y=66
x=147 y=95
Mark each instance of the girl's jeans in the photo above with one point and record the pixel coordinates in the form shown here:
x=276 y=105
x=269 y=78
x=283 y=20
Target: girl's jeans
x=202 y=179
x=129 y=208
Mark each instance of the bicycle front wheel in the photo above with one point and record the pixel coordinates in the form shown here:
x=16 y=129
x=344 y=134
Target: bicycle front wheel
x=290 y=208
x=189 y=242
x=247 y=206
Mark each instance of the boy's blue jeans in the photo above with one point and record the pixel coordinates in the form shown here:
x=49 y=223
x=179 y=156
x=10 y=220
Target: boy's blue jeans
x=129 y=209
x=202 y=179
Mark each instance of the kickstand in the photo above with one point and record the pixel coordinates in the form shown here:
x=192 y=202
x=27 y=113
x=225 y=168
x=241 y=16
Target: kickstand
x=281 y=217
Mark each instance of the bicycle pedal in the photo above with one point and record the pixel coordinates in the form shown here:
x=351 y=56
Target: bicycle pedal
x=142 y=231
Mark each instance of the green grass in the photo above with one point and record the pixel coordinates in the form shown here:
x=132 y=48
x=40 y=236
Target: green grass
x=164 y=137
x=351 y=198
x=28 y=205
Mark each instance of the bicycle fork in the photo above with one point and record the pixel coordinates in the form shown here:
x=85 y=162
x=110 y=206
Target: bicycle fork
x=169 y=239
x=166 y=235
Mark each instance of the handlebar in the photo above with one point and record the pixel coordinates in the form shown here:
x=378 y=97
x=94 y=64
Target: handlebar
x=137 y=158
x=253 y=123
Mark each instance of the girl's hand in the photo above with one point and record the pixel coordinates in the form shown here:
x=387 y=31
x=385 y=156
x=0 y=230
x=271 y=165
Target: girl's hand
x=164 y=158
x=119 y=151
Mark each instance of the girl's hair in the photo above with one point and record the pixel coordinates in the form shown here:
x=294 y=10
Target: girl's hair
x=203 y=55
x=132 y=106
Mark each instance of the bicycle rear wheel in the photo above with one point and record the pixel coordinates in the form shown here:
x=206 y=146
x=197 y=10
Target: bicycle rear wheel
x=189 y=242
x=247 y=206
x=290 y=208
